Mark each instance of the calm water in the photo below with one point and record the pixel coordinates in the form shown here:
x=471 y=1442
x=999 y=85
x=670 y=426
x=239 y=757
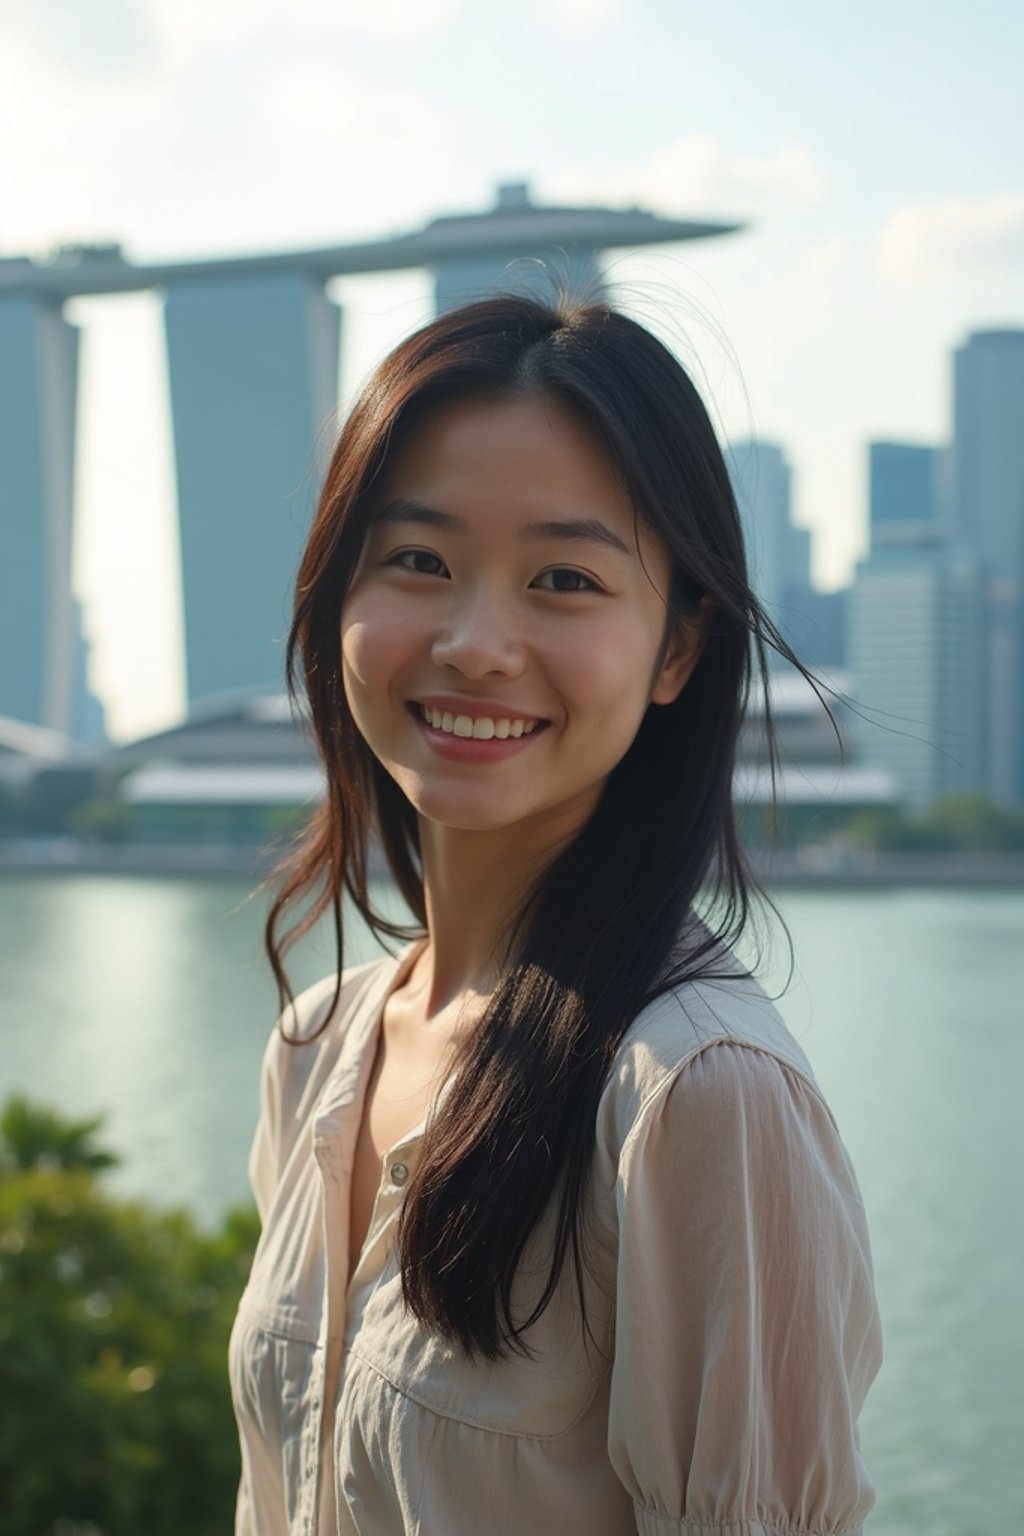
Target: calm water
x=148 y=1001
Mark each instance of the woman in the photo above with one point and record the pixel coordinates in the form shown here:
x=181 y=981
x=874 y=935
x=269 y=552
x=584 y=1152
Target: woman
x=559 y=1234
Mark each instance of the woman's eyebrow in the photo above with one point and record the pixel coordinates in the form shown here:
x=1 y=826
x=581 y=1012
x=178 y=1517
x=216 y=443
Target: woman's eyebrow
x=404 y=510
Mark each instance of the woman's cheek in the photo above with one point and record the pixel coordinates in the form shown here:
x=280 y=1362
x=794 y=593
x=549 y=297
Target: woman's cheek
x=373 y=640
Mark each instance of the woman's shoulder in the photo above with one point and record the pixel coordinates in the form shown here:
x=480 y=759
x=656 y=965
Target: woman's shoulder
x=325 y=1007
x=684 y=1022
x=307 y=1037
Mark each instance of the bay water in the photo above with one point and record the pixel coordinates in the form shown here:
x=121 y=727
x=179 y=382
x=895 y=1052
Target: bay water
x=149 y=1001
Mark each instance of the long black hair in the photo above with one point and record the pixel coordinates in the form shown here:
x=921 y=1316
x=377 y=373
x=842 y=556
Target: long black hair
x=611 y=923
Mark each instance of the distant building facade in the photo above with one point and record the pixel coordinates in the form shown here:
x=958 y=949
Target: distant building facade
x=254 y=387
x=536 y=269
x=987 y=517
x=42 y=650
x=916 y=634
x=905 y=508
x=779 y=554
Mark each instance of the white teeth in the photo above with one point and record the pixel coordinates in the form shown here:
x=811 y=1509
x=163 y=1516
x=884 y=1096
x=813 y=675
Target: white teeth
x=483 y=728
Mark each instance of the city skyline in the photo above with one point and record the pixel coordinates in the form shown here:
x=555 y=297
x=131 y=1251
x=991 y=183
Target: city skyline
x=252 y=355
x=884 y=226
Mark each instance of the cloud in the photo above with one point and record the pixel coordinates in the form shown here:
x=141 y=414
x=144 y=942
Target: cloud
x=398 y=20
x=215 y=151
x=191 y=32
x=951 y=237
x=831 y=256
x=698 y=174
x=582 y=14
x=107 y=38
x=103 y=37
x=384 y=157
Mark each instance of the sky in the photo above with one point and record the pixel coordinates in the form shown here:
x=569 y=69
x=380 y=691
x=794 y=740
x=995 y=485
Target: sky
x=875 y=153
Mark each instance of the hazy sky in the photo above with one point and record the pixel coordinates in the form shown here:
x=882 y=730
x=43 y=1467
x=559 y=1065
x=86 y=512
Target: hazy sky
x=877 y=152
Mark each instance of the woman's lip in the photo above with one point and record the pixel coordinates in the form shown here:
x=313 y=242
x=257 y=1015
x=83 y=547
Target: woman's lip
x=476 y=709
x=473 y=749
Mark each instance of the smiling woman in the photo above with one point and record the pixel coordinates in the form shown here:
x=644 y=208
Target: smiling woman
x=558 y=1230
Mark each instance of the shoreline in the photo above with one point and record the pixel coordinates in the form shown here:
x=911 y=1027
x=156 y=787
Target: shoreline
x=784 y=867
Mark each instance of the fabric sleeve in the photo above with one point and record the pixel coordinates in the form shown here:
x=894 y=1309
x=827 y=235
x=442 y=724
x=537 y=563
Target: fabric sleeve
x=747 y=1330
x=243 y=1506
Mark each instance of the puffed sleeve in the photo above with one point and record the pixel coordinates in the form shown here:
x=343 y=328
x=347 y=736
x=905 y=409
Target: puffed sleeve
x=747 y=1330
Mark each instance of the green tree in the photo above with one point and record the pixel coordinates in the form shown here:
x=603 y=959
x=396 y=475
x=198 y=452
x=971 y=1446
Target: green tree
x=114 y=1321
x=974 y=822
x=35 y=1137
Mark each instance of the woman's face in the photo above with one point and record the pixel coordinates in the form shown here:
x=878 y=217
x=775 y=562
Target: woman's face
x=503 y=635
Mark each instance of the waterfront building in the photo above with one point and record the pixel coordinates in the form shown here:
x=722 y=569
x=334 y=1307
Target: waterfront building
x=24 y=749
x=252 y=345
x=916 y=642
x=254 y=386
x=536 y=268
x=42 y=651
x=819 y=783
x=904 y=496
x=238 y=769
x=779 y=553
x=242 y=768
x=987 y=515
x=762 y=483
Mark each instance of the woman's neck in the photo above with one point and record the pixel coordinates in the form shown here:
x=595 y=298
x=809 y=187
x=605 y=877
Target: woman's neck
x=474 y=885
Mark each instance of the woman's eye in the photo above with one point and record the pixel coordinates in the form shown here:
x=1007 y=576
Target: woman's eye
x=565 y=579
x=419 y=560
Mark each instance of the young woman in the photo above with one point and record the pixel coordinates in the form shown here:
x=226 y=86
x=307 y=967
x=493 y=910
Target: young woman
x=559 y=1234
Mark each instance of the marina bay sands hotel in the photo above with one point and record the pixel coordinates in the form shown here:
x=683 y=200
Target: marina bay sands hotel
x=253 y=354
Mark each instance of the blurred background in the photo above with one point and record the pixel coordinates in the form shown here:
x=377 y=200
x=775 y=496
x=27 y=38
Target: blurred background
x=215 y=219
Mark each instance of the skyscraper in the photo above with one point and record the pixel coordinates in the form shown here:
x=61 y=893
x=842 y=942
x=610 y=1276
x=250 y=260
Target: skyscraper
x=904 y=500
x=254 y=384
x=779 y=553
x=987 y=512
x=42 y=655
x=917 y=633
x=762 y=483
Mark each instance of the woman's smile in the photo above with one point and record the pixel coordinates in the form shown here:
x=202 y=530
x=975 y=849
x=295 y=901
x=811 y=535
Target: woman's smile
x=475 y=738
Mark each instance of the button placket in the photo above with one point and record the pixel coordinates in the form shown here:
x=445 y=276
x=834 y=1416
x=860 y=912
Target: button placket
x=331 y=1155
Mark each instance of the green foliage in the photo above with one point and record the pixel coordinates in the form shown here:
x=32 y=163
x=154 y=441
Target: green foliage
x=35 y=1137
x=971 y=821
x=114 y=1320
x=104 y=820
x=962 y=823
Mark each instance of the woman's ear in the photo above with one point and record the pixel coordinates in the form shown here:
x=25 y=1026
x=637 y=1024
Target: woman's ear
x=682 y=652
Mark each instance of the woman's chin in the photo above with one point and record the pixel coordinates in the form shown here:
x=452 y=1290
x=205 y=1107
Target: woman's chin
x=464 y=816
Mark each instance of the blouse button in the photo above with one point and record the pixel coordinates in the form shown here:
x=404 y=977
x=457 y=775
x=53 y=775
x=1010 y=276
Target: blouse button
x=398 y=1172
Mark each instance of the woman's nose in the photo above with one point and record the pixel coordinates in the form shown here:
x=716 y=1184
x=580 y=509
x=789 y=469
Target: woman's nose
x=480 y=637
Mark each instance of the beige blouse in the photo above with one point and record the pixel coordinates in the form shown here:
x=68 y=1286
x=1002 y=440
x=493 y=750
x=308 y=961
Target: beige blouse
x=729 y=1290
